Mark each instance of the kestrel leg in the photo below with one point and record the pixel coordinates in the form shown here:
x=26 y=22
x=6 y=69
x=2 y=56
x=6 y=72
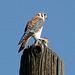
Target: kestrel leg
x=34 y=38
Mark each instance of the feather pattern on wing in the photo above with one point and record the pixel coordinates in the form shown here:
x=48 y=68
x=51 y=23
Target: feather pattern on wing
x=32 y=27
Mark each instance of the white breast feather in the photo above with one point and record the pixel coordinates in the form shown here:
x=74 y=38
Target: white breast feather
x=38 y=34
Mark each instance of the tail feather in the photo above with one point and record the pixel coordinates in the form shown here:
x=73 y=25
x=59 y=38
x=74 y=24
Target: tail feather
x=23 y=45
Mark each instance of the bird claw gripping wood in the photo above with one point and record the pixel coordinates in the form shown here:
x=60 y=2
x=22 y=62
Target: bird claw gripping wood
x=45 y=40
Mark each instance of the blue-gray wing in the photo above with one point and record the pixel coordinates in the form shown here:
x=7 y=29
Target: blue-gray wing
x=31 y=29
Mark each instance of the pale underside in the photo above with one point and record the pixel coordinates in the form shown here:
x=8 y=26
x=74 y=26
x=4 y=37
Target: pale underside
x=37 y=35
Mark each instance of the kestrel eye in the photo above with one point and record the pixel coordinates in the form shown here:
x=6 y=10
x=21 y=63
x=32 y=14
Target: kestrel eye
x=44 y=14
x=38 y=14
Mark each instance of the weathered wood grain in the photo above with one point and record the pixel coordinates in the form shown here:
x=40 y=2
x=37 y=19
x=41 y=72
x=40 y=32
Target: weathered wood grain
x=38 y=59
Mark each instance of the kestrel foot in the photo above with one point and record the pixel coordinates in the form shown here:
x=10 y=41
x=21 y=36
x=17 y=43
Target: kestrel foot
x=45 y=40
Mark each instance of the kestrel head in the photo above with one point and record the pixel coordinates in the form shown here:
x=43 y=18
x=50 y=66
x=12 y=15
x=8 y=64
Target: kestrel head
x=42 y=15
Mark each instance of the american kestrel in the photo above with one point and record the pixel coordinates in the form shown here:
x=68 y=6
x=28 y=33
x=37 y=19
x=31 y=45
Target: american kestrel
x=33 y=29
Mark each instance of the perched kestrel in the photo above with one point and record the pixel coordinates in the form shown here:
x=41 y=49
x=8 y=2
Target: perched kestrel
x=33 y=29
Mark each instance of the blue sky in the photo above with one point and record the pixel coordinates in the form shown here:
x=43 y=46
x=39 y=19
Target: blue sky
x=59 y=28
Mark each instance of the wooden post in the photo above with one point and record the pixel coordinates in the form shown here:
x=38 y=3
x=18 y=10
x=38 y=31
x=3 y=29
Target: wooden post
x=38 y=59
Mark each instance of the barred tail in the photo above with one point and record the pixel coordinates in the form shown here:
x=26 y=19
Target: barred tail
x=23 y=45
